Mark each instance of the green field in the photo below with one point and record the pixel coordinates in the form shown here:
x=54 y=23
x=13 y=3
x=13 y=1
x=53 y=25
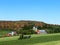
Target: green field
x=2 y=32
x=36 y=39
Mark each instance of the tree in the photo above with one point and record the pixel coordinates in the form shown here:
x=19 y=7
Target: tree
x=25 y=32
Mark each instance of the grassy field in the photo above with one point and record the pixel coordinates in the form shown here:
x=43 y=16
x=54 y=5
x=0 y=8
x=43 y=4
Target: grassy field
x=2 y=32
x=36 y=39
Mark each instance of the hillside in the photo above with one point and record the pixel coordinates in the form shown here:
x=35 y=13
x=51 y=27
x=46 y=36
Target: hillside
x=17 y=25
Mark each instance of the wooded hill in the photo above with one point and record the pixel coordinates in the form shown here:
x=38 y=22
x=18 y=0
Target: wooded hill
x=27 y=25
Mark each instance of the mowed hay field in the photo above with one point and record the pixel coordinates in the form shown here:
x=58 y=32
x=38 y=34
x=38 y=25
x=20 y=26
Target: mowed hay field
x=36 y=39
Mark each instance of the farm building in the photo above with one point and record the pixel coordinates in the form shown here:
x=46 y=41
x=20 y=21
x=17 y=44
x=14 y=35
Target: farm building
x=41 y=32
x=13 y=33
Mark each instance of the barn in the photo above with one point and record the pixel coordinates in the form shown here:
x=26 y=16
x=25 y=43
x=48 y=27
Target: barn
x=41 y=32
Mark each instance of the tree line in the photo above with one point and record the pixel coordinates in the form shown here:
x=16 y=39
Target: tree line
x=28 y=25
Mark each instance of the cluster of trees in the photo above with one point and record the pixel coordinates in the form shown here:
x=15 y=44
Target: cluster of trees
x=26 y=26
x=50 y=28
x=10 y=25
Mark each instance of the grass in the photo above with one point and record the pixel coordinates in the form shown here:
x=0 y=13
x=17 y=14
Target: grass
x=2 y=32
x=44 y=39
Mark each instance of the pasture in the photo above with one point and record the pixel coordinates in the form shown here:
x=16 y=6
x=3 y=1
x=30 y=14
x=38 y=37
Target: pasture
x=36 y=39
x=2 y=32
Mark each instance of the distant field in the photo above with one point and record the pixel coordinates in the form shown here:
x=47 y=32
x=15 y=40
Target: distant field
x=47 y=39
x=2 y=32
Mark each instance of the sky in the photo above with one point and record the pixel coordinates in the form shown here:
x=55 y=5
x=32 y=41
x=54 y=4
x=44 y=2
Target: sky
x=47 y=11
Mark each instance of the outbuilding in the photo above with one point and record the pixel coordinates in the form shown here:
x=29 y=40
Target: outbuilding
x=41 y=32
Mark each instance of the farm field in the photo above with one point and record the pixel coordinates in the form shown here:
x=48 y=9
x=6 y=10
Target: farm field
x=36 y=39
x=2 y=32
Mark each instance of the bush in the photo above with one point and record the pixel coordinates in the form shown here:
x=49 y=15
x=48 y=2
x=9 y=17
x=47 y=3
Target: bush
x=25 y=32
